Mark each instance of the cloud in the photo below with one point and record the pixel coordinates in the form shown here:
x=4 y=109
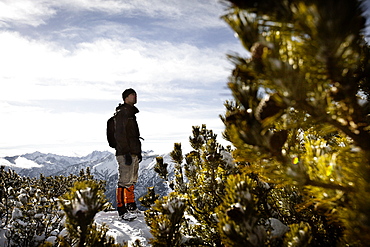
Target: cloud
x=65 y=66
x=25 y=12
x=37 y=12
x=100 y=65
x=172 y=80
x=29 y=127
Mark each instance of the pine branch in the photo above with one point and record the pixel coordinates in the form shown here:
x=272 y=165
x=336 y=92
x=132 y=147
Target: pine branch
x=329 y=186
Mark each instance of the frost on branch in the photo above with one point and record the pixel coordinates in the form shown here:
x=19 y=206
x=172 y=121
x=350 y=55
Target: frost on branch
x=80 y=205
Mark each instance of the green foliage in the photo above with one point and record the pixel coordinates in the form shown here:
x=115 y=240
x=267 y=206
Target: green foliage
x=165 y=219
x=150 y=198
x=198 y=190
x=29 y=208
x=80 y=204
x=161 y=168
x=206 y=170
x=176 y=155
x=97 y=237
x=296 y=119
x=238 y=215
x=299 y=235
x=301 y=169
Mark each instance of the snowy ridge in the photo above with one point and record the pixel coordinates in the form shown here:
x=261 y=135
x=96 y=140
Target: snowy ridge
x=102 y=166
x=20 y=162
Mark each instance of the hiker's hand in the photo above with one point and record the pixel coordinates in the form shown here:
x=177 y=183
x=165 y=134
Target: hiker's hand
x=128 y=159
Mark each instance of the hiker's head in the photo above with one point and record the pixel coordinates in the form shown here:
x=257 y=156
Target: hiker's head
x=129 y=96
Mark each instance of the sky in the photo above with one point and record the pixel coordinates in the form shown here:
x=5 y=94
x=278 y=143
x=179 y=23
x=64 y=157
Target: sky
x=64 y=65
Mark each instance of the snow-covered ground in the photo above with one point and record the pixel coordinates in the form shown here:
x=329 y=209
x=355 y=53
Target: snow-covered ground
x=121 y=231
x=124 y=231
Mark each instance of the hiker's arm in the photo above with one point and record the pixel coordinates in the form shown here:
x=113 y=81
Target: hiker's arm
x=120 y=134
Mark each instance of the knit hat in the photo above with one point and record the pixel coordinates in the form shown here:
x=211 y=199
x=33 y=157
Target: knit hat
x=127 y=92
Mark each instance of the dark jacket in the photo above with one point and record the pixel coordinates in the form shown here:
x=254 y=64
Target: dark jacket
x=127 y=130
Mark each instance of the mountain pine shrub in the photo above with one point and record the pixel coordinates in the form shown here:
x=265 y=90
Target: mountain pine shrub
x=299 y=118
x=80 y=205
x=189 y=212
x=30 y=214
x=299 y=126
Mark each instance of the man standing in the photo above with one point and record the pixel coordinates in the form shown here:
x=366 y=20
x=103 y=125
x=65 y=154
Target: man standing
x=128 y=154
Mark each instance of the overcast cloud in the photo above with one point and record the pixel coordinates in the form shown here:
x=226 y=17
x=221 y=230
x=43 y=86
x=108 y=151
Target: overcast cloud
x=64 y=65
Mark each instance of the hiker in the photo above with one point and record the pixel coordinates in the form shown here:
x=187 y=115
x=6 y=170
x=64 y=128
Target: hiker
x=128 y=154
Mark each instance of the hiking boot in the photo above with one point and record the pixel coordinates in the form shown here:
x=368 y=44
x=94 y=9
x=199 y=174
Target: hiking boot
x=131 y=206
x=121 y=210
x=128 y=216
x=136 y=212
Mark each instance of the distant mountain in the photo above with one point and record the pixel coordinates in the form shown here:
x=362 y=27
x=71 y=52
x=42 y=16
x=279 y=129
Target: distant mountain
x=102 y=165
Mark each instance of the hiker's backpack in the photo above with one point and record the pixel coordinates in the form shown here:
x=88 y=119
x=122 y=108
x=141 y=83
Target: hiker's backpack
x=111 y=128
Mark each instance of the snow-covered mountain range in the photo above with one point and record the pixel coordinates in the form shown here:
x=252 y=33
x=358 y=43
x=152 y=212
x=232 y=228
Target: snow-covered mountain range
x=102 y=166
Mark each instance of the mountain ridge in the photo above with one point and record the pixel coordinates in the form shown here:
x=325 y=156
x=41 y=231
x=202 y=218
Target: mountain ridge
x=102 y=165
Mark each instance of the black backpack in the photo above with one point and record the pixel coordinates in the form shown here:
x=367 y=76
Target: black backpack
x=111 y=128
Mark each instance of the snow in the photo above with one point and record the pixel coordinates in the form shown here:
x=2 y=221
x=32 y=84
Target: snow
x=20 y=162
x=16 y=214
x=78 y=204
x=125 y=231
x=2 y=237
x=121 y=231
x=278 y=228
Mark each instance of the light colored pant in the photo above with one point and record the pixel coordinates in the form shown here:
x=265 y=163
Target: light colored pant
x=127 y=175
